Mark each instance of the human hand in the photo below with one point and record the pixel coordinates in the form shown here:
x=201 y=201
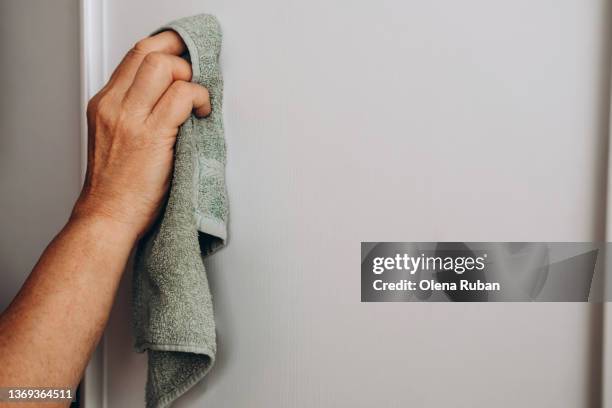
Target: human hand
x=132 y=126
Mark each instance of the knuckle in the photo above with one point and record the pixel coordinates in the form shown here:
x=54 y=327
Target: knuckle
x=156 y=60
x=101 y=109
x=92 y=106
x=181 y=89
x=104 y=106
x=142 y=47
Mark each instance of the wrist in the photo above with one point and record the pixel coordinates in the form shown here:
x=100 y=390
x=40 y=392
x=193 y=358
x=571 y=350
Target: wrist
x=108 y=215
x=105 y=226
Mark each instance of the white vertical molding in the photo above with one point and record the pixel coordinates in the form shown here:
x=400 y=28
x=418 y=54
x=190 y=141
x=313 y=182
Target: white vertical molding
x=606 y=375
x=606 y=341
x=91 y=14
x=606 y=365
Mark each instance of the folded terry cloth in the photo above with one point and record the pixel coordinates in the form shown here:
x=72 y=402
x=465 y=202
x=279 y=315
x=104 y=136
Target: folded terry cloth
x=172 y=304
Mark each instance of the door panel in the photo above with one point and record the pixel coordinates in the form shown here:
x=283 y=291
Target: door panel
x=392 y=121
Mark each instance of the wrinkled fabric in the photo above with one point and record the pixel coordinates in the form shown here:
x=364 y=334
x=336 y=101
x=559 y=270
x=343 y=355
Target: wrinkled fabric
x=172 y=304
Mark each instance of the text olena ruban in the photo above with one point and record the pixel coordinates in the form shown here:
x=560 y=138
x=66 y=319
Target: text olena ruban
x=413 y=264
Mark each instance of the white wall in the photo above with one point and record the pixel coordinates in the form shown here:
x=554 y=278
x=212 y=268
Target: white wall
x=395 y=121
x=39 y=130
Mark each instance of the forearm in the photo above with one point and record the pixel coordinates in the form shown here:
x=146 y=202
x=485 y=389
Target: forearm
x=60 y=313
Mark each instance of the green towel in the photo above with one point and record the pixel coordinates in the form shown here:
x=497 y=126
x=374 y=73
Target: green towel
x=172 y=304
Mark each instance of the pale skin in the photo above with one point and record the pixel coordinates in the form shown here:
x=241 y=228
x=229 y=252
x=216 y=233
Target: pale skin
x=51 y=328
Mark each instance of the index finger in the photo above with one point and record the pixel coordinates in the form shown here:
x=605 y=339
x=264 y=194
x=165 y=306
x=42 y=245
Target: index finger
x=168 y=42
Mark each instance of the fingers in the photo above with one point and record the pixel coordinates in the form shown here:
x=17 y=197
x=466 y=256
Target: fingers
x=155 y=74
x=167 y=42
x=153 y=80
x=178 y=102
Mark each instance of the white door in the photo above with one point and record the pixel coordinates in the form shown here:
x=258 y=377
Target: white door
x=350 y=121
